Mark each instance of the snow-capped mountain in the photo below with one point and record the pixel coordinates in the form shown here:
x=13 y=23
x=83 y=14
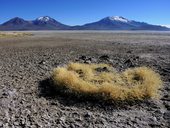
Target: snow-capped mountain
x=119 y=23
x=107 y=23
x=49 y=23
x=167 y=25
x=41 y=23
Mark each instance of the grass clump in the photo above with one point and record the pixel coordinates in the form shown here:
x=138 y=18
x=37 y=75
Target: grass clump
x=14 y=34
x=102 y=80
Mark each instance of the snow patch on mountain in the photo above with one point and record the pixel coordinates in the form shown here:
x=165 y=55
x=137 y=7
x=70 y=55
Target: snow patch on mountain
x=118 y=18
x=44 y=18
x=167 y=25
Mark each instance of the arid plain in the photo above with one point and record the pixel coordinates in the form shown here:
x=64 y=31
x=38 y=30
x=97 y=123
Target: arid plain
x=26 y=63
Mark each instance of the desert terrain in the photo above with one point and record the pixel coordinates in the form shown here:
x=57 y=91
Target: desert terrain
x=27 y=100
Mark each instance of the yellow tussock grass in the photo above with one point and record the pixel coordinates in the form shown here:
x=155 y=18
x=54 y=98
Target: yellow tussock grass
x=102 y=80
x=14 y=34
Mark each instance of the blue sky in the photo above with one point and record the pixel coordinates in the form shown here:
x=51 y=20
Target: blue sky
x=77 y=12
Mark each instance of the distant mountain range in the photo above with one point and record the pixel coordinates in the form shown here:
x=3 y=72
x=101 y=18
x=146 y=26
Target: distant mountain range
x=41 y=23
x=107 y=23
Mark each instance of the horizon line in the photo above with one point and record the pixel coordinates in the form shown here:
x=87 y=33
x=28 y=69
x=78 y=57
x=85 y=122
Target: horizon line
x=164 y=25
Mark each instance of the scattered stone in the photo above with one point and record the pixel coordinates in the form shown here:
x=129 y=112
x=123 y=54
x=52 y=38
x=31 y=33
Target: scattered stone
x=82 y=57
x=104 y=57
x=42 y=62
x=88 y=115
x=129 y=63
x=22 y=68
x=16 y=123
x=160 y=111
x=129 y=51
x=167 y=87
x=87 y=61
x=1 y=124
x=136 y=58
x=62 y=119
x=4 y=94
x=167 y=115
x=166 y=97
x=167 y=70
x=167 y=105
x=153 y=122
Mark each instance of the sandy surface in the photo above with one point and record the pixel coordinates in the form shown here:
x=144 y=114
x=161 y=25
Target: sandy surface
x=28 y=101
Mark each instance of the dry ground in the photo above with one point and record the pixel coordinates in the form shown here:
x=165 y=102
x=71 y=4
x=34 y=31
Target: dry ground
x=28 y=100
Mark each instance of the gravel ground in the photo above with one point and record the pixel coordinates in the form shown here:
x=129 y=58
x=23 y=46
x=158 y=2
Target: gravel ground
x=27 y=99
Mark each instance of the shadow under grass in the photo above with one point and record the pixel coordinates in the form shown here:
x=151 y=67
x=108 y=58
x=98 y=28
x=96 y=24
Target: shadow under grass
x=62 y=96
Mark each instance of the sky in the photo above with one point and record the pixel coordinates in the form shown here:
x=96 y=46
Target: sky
x=78 y=12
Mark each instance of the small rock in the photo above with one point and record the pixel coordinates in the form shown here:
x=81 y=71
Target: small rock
x=104 y=57
x=5 y=125
x=167 y=105
x=4 y=94
x=167 y=87
x=159 y=111
x=129 y=63
x=167 y=115
x=62 y=119
x=12 y=93
x=136 y=58
x=54 y=103
x=1 y=124
x=72 y=125
x=76 y=125
x=16 y=123
x=82 y=57
x=87 y=61
x=129 y=51
x=166 y=97
x=153 y=122
x=129 y=123
x=42 y=62
x=88 y=115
